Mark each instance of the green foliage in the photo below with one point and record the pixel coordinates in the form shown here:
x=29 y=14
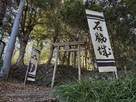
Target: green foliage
x=44 y=52
x=67 y=19
x=73 y=13
x=122 y=89
x=47 y=4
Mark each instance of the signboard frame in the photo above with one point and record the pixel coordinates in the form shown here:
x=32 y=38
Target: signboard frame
x=32 y=65
x=101 y=43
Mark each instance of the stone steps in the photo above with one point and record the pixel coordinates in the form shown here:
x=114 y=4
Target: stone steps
x=27 y=97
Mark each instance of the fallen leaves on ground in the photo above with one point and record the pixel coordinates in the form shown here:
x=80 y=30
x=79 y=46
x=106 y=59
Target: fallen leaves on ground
x=12 y=87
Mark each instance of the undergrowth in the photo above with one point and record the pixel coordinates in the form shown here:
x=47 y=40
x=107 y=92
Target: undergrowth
x=122 y=89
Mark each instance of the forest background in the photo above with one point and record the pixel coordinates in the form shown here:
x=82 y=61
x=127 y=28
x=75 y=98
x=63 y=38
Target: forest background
x=48 y=21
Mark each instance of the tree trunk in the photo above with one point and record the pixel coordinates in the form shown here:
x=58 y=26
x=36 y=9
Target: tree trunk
x=86 y=59
x=3 y=4
x=63 y=59
x=75 y=55
x=56 y=32
x=50 y=55
x=68 y=62
x=20 y=60
x=23 y=40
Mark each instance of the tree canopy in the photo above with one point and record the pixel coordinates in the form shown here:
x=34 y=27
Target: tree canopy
x=65 y=20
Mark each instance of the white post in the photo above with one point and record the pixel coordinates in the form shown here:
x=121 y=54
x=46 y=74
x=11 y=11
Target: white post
x=55 y=67
x=11 y=44
x=79 y=69
x=116 y=75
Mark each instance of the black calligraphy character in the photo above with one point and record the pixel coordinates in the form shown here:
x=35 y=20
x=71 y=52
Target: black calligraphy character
x=102 y=51
x=97 y=26
x=100 y=38
x=34 y=57
x=31 y=67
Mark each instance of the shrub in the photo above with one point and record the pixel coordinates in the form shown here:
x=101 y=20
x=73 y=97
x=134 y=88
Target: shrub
x=122 y=89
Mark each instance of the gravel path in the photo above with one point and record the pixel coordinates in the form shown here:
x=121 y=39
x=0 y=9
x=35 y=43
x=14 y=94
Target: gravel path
x=14 y=91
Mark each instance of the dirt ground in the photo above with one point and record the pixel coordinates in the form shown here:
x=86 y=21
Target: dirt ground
x=12 y=90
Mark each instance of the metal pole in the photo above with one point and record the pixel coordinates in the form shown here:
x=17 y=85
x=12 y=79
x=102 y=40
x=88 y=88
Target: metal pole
x=11 y=44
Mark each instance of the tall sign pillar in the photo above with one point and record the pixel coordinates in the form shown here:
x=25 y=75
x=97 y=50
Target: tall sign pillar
x=32 y=66
x=101 y=43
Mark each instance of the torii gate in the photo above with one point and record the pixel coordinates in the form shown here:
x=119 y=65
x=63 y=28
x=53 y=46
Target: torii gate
x=66 y=48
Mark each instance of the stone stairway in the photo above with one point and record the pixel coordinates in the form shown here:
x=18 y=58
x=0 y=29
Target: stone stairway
x=27 y=97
